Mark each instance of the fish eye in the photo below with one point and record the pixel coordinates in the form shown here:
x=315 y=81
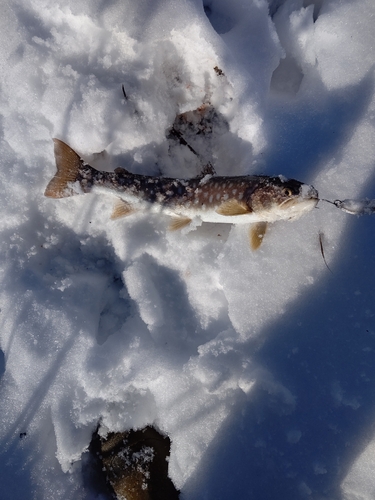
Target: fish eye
x=287 y=192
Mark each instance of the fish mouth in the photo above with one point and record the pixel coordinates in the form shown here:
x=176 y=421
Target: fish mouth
x=294 y=208
x=289 y=203
x=308 y=195
x=308 y=191
x=298 y=201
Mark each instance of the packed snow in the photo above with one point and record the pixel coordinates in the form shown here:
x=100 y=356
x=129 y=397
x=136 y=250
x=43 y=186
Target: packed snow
x=259 y=366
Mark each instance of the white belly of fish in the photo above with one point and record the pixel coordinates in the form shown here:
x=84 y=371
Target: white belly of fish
x=274 y=214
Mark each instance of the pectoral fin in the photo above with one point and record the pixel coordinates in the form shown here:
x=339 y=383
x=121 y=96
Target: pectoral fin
x=256 y=234
x=121 y=209
x=233 y=207
x=178 y=223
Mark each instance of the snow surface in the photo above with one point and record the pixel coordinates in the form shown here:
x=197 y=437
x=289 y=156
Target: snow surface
x=259 y=366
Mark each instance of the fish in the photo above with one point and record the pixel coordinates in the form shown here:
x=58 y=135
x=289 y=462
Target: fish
x=256 y=200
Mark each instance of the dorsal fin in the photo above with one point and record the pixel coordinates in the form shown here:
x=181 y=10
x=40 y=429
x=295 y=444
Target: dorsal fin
x=256 y=234
x=178 y=223
x=67 y=164
x=121 y=209
x=233 y=207
x=208 y=170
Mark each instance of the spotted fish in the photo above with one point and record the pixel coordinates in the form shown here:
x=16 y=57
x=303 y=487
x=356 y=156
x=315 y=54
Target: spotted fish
x=251 y=199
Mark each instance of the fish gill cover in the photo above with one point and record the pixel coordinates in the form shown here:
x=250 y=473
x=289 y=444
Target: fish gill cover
x=256 y=365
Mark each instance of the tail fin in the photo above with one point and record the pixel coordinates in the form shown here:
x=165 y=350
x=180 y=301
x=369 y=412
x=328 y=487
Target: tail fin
x=67 y=164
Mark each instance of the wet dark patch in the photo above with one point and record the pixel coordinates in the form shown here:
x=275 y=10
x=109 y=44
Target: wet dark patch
x=134 y=464
x=94 y=480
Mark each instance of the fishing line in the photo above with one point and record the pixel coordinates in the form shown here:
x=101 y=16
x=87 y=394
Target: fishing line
x=349 y=206
x=329 y=201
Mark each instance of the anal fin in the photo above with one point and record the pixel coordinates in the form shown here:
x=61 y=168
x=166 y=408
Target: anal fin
x=256 y=234
x=121 y=209
x=178 y=223
x=233 y=207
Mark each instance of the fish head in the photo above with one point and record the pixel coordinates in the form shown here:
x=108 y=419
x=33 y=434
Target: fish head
x=278 y=198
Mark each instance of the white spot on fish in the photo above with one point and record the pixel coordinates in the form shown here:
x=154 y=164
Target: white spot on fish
x=211 y=198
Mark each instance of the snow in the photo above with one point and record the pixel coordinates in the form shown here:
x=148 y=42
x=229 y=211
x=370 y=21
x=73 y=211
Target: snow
x=258 y=365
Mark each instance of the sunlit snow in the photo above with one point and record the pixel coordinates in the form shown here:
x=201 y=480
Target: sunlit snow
x=259 y=366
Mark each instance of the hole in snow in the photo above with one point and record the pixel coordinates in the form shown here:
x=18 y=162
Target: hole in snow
x=93 y=478
x=317 y=6
x=132 y=464
x=273 y=6
x=116 y=310
x=287 y=77
x=220 y=22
